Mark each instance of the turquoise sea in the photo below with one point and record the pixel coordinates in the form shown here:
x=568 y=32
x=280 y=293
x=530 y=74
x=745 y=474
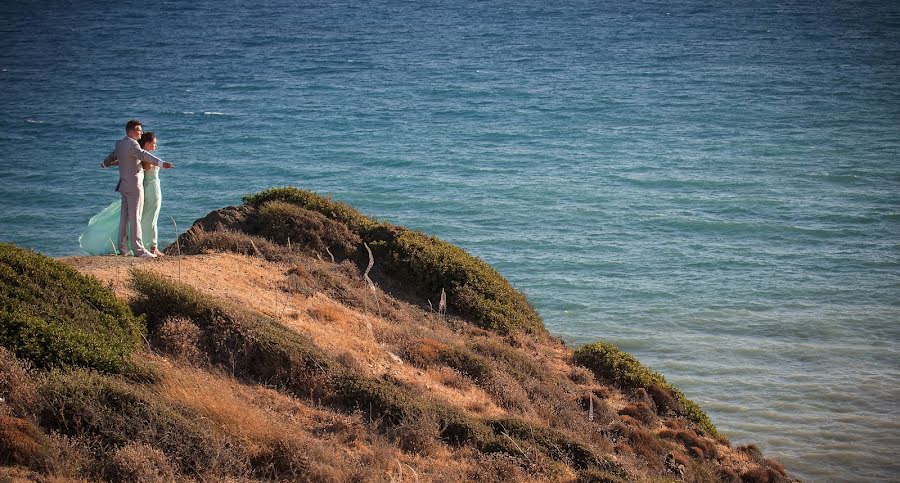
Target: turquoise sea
x=714 y=187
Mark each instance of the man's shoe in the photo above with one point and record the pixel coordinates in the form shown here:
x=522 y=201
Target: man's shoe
x=147 y=255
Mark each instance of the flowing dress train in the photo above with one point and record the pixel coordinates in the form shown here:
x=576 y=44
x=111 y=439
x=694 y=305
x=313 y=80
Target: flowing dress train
x=103 y=228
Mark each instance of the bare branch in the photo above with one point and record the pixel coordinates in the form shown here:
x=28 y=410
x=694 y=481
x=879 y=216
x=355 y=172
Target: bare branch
x=371 y=263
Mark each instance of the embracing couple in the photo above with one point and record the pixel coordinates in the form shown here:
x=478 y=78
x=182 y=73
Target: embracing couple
x=139 y=207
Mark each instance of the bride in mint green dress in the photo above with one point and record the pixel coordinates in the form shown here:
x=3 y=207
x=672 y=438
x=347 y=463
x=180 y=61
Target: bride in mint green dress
x=103 y=228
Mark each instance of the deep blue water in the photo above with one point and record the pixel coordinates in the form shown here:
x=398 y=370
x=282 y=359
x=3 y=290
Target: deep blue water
x=714 y=188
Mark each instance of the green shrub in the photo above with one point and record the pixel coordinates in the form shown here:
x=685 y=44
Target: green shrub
x=425 y=264
x=553 y=443
x=610 y=363
x=52 y=315
x=467 y=364
x=334 y=210
x=285 y=222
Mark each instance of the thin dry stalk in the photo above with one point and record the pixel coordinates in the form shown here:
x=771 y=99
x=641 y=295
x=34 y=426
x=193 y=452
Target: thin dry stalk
x=371 y=263
x=442 y=305
x=415 y=474
x=256 y=250
x=330 y=254
x=516 y=444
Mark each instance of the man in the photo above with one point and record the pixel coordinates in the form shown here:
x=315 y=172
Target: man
x=129 y=156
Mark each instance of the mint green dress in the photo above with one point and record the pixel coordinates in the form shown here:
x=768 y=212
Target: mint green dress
x=103 y=228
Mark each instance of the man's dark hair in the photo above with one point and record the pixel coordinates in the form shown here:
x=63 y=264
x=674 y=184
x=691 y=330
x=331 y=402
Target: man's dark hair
x=130 y=125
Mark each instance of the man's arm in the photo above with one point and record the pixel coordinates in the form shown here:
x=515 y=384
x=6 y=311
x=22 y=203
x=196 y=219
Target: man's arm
x=110 y=160
x=148 y=157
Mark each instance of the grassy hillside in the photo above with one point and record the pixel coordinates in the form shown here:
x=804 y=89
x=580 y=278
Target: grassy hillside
x=268 y=355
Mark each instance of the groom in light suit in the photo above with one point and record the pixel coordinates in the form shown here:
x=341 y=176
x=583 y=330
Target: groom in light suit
x=129 y=155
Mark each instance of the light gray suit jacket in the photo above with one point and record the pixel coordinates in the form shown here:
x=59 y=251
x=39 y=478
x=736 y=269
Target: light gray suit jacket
x=128 y=155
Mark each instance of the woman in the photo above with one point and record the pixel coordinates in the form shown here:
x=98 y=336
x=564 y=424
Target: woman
x=103 y=228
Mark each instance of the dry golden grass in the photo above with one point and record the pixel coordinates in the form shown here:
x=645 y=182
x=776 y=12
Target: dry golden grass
x=256 y=284
x=215 y=398
x=326 y=312
x=532 y=379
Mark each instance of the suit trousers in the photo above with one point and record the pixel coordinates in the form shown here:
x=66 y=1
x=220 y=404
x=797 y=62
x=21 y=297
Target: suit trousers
x=132 y=206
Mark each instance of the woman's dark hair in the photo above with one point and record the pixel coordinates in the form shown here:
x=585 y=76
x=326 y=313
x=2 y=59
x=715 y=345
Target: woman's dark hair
x=147 y=137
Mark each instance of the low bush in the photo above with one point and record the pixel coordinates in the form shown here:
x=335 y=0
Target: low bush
x=554 y=444
x=599 y=476
x=198 y=241
x=520 y=364
x=17 y=390
x=310 y=230
x=497 y=468
x=423 y=352
x=641 y=412
x=767 y=471
x=467 y=364
x=53 y=316
x=178 y=338
x=110 y=413
x=700 y=448
x=419 y=434
x=609 y=363
x=334 y=210
x=138 y=463
x=24 y=444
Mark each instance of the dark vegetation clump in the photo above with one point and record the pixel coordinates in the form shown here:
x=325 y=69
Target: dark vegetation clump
x=765 y=471
x=109 y=413
x=53 y=316
x=198 y=241
x=17 y=390
x=294 y=458
x=640 y=411
x=609 y=363
x=22 y=443
x=286 y=223
x=419 y=434
x=178 y=338
x=138 y=463
x=698 y=447
x=412 y=260
x=337 y=211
